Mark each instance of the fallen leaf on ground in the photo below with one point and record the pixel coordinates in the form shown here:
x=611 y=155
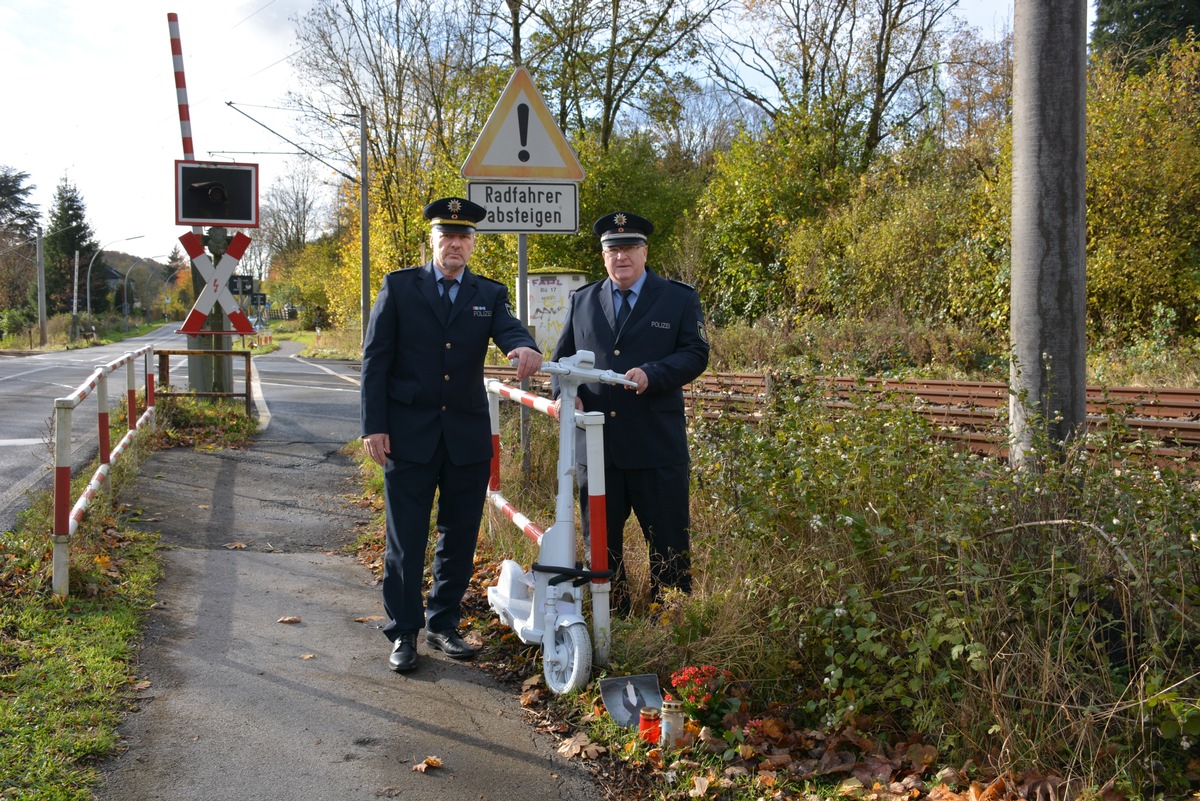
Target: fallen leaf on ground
x=427 y=763
x=573 y=745
x=288 y=619
x=368 y=619
x=309 y=656
x=922 y=756
x=236 y=546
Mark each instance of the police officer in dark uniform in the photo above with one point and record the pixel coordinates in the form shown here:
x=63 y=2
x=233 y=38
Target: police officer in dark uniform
x=425 y=420
x=650 y=330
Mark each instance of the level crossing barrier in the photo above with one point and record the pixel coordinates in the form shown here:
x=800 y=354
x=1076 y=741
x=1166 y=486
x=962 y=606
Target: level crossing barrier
x=545 y=604
x=67 y=516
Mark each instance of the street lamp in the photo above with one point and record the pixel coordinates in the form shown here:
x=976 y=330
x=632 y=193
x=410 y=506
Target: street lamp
x=125 y=288
x=89 y=272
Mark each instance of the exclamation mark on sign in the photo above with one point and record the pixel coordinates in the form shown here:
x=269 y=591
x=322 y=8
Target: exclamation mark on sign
x=523 y=128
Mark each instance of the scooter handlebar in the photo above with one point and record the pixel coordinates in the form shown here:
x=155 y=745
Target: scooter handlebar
x=584 y=375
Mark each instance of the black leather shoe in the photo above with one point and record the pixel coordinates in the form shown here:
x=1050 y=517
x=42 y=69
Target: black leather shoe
x=404 y=652
x=451 y=643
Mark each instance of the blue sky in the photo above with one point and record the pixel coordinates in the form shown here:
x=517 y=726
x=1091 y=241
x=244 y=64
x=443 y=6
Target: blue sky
x=89 y=94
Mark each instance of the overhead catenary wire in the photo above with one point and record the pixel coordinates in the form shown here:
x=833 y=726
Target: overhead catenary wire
x=306 y=152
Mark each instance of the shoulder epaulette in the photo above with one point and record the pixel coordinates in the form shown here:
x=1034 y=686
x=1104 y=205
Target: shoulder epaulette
x=681 y=283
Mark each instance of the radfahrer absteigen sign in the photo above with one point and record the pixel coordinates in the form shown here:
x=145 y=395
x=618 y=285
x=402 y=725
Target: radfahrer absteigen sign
x=527 y=173
x=512 y=208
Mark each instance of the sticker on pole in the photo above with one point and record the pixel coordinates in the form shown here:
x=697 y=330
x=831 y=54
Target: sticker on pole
x=216 y=284
x=520 y=139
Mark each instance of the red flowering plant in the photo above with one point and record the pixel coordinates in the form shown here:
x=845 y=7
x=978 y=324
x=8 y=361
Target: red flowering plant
x=704 y=692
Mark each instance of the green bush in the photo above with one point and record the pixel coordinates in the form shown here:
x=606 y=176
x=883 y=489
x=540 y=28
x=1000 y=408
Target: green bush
x=870 y=576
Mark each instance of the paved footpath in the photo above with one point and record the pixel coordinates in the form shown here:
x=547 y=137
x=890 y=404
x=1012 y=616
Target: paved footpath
x=241 y=706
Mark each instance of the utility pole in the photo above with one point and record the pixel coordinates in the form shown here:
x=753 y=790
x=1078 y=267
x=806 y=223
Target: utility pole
x=364 y=221
x=75 y=302
x=43 y=333
x=1048 y=376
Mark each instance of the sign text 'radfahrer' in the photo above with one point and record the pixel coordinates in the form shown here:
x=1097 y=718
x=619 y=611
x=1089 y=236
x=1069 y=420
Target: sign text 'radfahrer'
x=544 y=208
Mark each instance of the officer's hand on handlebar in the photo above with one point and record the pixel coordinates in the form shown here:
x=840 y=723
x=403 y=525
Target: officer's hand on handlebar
x=527 y=360
x=638 y=376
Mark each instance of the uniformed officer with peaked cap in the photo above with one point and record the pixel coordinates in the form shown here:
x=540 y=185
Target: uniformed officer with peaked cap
x=622 y=229
x=650 y=330
x=425 y=420
x=454 y=215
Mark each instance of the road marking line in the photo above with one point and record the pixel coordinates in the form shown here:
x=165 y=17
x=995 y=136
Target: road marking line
x=351 y=379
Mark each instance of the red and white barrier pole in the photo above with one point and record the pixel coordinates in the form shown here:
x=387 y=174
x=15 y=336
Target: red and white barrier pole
x=181 y=98
x=185 y=119
x=66 y=516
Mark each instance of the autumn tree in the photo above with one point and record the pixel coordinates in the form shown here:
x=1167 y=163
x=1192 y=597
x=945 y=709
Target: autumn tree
x=1144 y=193
x=600 y=58
x=177 y=284
x=18 y=237
x=866 y=69
x=424 y=75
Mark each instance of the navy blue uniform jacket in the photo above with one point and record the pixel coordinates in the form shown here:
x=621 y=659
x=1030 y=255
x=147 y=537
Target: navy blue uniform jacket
x=422 y=375
x=665 y=336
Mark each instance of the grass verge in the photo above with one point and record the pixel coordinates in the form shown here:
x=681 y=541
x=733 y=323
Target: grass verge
x=67 y=664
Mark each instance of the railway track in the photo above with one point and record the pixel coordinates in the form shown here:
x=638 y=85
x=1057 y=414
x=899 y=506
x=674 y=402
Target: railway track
x=970 y=411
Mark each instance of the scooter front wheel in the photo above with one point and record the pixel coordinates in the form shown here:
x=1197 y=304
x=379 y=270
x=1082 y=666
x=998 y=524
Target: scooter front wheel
x=572 y=671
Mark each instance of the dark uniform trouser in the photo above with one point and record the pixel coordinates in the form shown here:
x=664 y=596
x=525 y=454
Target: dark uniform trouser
x=409 y=490
x=658 y=496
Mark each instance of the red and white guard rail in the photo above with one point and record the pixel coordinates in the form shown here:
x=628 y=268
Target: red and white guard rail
x=66 y=516
x=591 y=423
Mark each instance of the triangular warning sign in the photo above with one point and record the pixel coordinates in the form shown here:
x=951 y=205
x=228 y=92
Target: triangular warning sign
x=520 y=139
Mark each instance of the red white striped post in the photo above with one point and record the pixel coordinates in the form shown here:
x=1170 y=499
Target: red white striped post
x=185 y=114
x=494 y=415
x=131 y=393
x=185 y=119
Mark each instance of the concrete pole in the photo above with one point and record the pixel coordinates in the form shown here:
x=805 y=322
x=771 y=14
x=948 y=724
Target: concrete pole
x=43 y=330
x=1048 y=377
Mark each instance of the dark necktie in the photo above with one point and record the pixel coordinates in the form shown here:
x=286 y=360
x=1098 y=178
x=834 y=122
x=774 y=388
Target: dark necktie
x=623 y=312
x=447 y=301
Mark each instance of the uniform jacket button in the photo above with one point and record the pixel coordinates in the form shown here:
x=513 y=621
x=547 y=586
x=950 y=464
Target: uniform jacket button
x=617 y=352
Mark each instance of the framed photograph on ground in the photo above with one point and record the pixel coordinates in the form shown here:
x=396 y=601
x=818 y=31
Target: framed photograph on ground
x=624 y=696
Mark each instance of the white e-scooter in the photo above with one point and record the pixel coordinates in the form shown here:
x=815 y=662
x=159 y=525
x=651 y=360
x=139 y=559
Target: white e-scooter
x=545 y=604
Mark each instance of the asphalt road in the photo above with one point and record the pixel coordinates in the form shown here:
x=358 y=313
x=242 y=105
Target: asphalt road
x=242 y=706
